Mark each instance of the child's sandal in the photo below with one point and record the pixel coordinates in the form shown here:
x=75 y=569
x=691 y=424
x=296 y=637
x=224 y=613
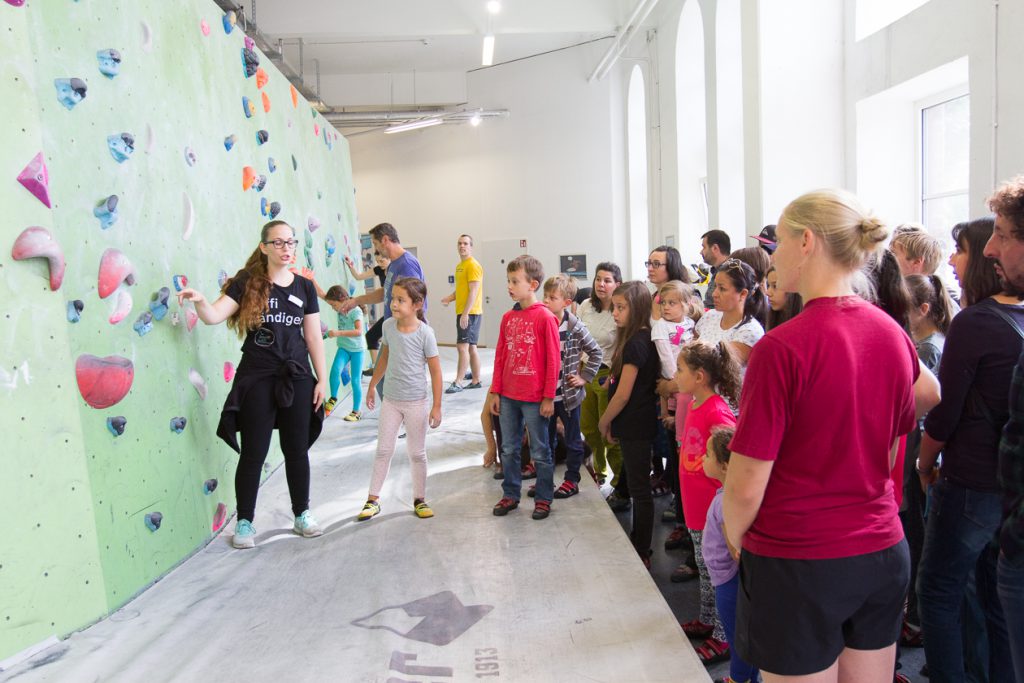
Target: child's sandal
x=713 y=651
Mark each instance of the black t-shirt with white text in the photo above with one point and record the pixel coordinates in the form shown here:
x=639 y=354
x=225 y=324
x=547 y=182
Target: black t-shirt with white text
x=279 y=337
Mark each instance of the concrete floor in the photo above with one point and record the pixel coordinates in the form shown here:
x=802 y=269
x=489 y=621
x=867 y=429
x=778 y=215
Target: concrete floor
x=463 y=596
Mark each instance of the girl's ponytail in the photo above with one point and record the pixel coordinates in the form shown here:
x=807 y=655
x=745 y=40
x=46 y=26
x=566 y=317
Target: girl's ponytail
x=719 y=363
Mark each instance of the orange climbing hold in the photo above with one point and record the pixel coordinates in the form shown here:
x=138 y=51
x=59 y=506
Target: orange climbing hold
x=266 y=103
x=248 y=177
x=295 y=96
x=261 y=77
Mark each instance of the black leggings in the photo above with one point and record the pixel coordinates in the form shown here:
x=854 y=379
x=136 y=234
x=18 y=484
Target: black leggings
x=374 y=334
x=256 y=423
x=636 y=465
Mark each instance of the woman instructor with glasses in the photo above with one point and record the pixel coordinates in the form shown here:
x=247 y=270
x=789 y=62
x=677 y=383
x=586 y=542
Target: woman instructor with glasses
x=277 y=314
x=664 y=264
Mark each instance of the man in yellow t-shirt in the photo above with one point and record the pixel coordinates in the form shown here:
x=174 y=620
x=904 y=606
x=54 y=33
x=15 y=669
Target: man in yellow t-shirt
x=468 y=297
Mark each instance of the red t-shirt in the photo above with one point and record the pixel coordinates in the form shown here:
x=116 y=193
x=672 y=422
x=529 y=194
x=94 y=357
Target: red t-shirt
x=697 y=488
x=825 y=396
x=528 y=356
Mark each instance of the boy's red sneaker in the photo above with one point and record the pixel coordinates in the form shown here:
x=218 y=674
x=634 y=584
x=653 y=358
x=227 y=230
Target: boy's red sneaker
x=567 y=489
x=504 y=506
x=541 y=509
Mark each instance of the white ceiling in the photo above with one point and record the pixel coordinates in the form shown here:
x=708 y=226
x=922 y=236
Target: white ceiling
x=386 y=36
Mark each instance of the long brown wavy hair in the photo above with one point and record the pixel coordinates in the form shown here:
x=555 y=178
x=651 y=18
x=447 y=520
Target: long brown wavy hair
x=719 y=363
x=638 y=300
x=256 y=298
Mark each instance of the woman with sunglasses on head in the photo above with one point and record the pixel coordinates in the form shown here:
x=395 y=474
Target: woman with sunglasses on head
x=277 y=314
x=738 y=299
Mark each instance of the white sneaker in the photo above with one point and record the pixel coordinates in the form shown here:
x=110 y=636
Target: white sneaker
x=306 y=526
x=245 y=535
x=606 y=490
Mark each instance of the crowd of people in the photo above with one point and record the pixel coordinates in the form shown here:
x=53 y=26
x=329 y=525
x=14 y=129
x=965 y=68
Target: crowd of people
x=841 y=432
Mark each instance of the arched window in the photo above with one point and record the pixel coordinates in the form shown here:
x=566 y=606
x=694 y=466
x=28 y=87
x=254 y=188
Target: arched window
x=729 y=73
x=691 y=129
x=636 y=149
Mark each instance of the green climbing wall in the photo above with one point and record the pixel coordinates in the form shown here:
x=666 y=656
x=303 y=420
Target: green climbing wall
x=76 y=498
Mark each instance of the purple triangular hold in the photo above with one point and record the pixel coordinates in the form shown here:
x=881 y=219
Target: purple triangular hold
x=36 y=180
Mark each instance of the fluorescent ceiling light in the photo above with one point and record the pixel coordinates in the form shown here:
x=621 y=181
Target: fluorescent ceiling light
x=413 y=125
x=493 y=6
x=488 y=56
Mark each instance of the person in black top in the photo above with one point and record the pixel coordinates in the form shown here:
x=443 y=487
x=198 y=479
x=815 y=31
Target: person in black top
x=981 y=349
x=278 y=315
x=373 y=334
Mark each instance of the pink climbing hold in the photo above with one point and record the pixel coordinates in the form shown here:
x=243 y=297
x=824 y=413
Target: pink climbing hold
x=250 y=44
x=204 y=27
x=15 y=3
x=191 y=318
x=115 y=268
x=36 y=179
x=36 y=242
x=229 y=371
x=122 y=307
x=103 y=381
x=316 y=129
x=198 y=382
x=220 y=516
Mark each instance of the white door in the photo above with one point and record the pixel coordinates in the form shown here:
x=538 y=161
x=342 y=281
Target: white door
x=494 y=257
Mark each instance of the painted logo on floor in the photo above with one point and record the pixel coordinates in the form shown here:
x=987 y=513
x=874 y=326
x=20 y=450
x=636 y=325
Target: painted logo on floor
x=436 y=619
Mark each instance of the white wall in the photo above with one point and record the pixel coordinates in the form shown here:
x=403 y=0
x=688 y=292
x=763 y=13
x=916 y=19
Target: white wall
x=553 y=173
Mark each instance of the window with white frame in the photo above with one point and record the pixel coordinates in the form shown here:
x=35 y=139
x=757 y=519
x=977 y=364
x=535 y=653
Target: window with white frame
x=945 y=164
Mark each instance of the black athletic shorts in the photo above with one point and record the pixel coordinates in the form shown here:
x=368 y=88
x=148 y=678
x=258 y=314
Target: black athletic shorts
x=470 y=335
x=795 y=617
x=374 y=334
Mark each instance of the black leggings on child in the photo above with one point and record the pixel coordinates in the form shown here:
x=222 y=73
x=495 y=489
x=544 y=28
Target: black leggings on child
x=256 y=423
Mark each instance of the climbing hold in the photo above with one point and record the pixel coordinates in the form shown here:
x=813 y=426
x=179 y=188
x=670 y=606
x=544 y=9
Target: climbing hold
x=295 y=95
x=248 y=107
x=289 y=123
x=351 y=289
x=266 y=102
x=271 y=164
x=153 y=520
x=250 y=61
x=260 y=183
x=204 y=27
x=308 y=238
x=249 y=43
x=229 y=371
x=116 y=425
x=323 y=329
x=312 y=223
x=229 y=21
x=106 y=211
x=103 y=381
x=263 y=205
x=190 y=156
x=180 y=282
x=191 y=317
x=273 y=210
x=147 y=37
x=150 y=139
x=36 y=179
x=115 y=268
x=230 y=141
x=158 y=303
x=319 y=194
x=262 y=136
x=143 y=324
x=178 y=424
x=222 y=277
x=295 y=164
x=316 y=130
x=70 y=91
x=209 y=486
x=190 y=217
x=109 y=62
x=198 y=382
x=75 y=310
x=121 y=146
x=308 y=253
x=248 y=175
x=220 y=516
x=122 y=307
x=15 y=3
x=330 y=246
x=36 y=242
x=261 y=77
x=175 y=319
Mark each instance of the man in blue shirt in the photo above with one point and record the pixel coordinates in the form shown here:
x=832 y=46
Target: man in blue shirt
x=403 y=264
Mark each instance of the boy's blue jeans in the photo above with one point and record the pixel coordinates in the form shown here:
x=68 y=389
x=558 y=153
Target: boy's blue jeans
x=514 y=416
x=573 y=439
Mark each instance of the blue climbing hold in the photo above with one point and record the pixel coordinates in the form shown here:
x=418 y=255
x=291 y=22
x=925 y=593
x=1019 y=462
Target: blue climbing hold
x=262 y=136
x=263 y=205
x=144 y=323
x=250 y=62
x=178 y=424
x=260 y=183
x=230 y=141
x=109 y=62
x=180 y=282
x=121 y=146
x=75 y=310
x=106 y=211
x=158 y=303
x=209 y=486
x=153 y=520
x=273 y=210
x=70 y=91
x=248 y=107
x=271 y=164
x=222 y=277
x=229 y=20
x=116 y=425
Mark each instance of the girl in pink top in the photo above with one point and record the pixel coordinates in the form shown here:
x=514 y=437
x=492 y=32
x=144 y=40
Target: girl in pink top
x=708 y=373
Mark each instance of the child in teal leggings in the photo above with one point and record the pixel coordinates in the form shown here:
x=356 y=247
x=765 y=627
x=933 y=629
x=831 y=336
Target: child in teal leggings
x=348 y=361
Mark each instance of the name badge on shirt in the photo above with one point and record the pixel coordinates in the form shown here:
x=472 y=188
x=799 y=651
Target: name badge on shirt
x=295 y=300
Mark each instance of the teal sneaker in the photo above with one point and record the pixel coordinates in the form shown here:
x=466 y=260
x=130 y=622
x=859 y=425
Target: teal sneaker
x=306 y=525
x=245 y=535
